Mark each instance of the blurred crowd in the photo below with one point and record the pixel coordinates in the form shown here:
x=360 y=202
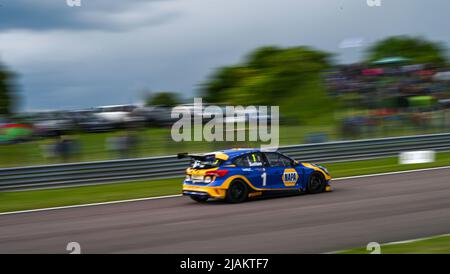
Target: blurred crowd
x=391 y=95
x=68 y=148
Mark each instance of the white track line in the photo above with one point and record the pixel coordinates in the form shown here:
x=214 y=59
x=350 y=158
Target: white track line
x=179 y=195
x=93 y=204
x=391 y=173
x=398 y=242
x=416 y=240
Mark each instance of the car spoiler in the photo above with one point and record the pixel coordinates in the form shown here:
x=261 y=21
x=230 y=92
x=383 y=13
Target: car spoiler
x=193 y=156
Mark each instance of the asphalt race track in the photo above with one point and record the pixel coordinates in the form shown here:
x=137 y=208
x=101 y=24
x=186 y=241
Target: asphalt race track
x=360 y=210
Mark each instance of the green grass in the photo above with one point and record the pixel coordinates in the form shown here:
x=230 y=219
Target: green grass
x=433 y=245
x=22 y=200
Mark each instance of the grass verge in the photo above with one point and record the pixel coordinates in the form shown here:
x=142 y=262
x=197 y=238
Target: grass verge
x=23 y=200
x=432 y=245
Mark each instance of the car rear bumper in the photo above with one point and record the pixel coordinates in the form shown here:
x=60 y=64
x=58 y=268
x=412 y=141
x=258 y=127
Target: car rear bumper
x=204 y=191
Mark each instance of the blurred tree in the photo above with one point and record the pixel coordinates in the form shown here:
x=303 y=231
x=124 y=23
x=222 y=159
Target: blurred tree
x=7 y=98
x=169 y=99
x=262 y=58
x=418 y=50
x=287 y=77
x=215 y=89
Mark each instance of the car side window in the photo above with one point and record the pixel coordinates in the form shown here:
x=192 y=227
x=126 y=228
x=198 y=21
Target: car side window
x=256 y=159
x=278 y=160
x=286 y=161
x=249 y=160
x=241 y=161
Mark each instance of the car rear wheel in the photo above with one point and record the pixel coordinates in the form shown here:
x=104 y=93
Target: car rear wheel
x=237 y=192
x=199 y=199
x=316 y=183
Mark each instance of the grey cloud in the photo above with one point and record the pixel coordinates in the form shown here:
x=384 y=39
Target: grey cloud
x=44 y=15
x=63 y=66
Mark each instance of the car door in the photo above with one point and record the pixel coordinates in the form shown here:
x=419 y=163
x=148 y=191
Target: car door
x=252 y=167
x=281 y=172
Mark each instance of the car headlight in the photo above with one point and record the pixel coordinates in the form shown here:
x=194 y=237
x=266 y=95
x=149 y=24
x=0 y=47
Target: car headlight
x=207 y=179
x=322 y=168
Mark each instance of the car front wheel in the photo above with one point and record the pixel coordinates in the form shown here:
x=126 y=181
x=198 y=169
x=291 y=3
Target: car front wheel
x=316 y=183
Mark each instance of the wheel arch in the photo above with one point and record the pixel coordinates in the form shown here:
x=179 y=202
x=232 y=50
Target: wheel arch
x=317 y=172
x=241 y=178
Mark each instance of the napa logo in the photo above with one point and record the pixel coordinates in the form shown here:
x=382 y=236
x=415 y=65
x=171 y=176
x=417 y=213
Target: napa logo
x=290 y=177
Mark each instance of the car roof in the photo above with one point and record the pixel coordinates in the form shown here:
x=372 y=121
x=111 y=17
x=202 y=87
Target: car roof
x=230 y=154
x=235 y=152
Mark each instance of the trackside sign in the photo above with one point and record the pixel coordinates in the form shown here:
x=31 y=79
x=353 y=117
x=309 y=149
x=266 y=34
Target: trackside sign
x=417 y=157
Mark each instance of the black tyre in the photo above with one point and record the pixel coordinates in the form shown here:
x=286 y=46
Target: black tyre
x=237 y=192
x=316 y=183
x=199 y=199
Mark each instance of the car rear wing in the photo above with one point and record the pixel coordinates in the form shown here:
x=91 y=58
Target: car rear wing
x=202 y=157
x=193 y=156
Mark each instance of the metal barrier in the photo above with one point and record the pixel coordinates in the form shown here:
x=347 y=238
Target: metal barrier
x=89 y=173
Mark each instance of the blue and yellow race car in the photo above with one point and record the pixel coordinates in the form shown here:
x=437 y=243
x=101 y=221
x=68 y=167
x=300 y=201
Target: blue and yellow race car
x=238 y=174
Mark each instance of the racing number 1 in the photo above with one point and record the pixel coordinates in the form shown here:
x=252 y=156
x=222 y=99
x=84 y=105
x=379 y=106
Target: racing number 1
x=264 y=178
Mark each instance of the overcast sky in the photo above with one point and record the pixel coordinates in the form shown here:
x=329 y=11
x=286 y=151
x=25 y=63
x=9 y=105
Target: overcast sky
x=111 y=51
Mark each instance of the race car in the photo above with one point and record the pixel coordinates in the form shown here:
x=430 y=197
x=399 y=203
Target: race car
x=238 y=174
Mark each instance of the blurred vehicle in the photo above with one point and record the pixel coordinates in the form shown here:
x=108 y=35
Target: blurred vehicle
x=91 y=123
x=196 y=112
x=445 y=103
x=238 y=174
x=51 y=123
x=442 y=76
x=14 y=132
x=204 y=113
x=239 y=116
x=155 y=115
x=116 y=114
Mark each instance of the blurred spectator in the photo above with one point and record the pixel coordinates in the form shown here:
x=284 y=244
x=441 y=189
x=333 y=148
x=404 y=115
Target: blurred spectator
x=315 y=138
x=112 y=145
x=65 y=148
x=132 y=142
x=123 y=146
x=49 y=151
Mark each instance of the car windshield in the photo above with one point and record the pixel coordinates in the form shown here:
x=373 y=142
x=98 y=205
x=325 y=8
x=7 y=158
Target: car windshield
x=207 y=161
